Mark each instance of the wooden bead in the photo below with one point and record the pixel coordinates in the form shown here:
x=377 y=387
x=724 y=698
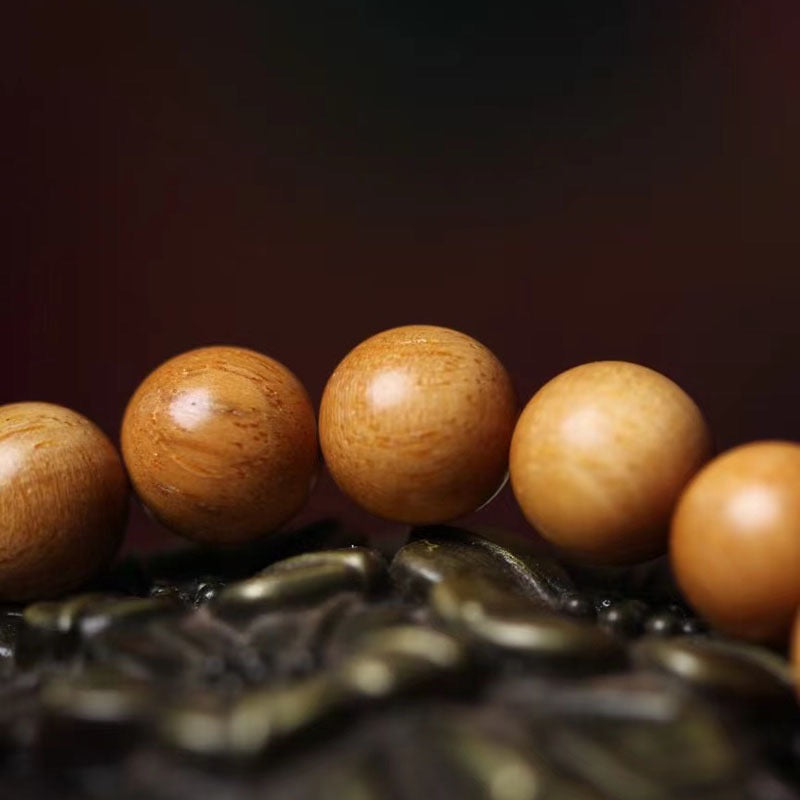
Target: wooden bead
x=599 y=457
x=735 y=542
x=63 y=500
x=415 y=424
x=221 y=444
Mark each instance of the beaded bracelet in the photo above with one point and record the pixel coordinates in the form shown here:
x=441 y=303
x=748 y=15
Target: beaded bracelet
x=611 y=462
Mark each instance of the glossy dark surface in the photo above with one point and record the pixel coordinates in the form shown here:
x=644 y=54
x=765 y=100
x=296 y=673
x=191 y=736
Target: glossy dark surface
x=447 y=662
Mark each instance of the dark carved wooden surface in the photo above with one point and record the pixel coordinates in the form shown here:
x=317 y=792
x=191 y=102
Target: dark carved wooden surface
x=313 y=666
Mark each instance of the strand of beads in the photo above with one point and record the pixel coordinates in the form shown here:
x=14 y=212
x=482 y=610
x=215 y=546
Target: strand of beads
x=611 y=462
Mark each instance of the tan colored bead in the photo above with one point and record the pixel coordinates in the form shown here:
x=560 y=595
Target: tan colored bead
x=415 y=424
x=221 y=444
x=599 y=457
x=63 y=500
x=735 y=543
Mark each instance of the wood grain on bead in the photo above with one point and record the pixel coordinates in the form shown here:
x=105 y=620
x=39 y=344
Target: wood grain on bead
x=221 y=444
x=415 y=424
x=735 y=542
x=63 y=500
x=599 y=457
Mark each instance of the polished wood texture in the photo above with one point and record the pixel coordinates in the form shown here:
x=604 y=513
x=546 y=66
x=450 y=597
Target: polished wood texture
x=599 y=457
x=63 y=500
x=735 y=543
x=415 y=424
x=221 y=444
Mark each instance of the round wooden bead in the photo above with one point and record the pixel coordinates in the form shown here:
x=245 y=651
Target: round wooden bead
x=415 y=424
x=735 y=542
x=221 y=444
x=63 y=500
x=599 y=457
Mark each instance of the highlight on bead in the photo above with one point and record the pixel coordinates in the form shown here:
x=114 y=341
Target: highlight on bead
x=63 y=500
x=735 y=542
x=599 y=457
x=415 y=424
x=220 y=444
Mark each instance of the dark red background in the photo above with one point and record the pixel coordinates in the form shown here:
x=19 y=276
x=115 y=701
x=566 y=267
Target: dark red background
x=603 y=180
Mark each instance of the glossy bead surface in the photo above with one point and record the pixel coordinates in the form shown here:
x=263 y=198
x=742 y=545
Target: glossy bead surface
x=63 y=500
x=735 y=543
x=415 y=424
x=220 y=444
x=599 y=457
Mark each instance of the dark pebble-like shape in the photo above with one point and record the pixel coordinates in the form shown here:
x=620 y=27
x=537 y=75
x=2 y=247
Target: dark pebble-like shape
x=62 y=617
x=362 y=622
x=498 y=618
x=389 y=664
x=625 y=617
x=689 y=755
x=53 y=629
x=145 y=651
x=304 y=579
x=401 y=659
x=98 y=617
x=438 y=552
x=480 y=674
x=205 y=727
x=739 y=674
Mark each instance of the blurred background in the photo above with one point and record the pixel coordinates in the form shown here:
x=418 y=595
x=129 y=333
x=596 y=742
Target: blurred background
x=564 y=181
